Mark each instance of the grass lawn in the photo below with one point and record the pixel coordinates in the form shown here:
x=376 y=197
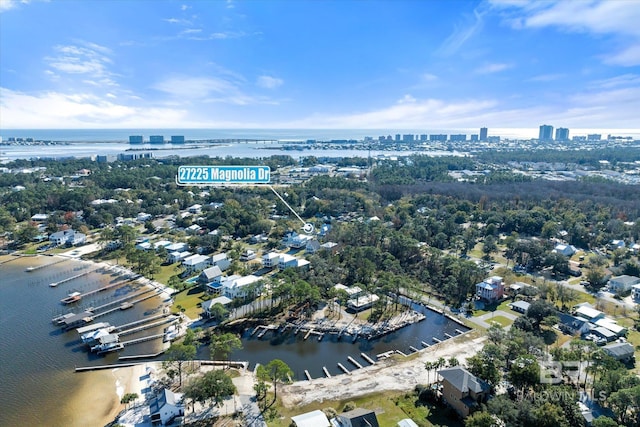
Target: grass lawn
x=189 y=300
x=166 y=271
x=389 y=407
x=504 y=306
x=501 y=320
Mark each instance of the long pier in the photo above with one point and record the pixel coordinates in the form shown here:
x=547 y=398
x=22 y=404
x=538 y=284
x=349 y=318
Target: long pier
x=69 y=279
x=139 y=322
x=102 y=289
x=121 y=300
x=147 y=326
x=39 y=267
x=142 y=339
x=13 y=258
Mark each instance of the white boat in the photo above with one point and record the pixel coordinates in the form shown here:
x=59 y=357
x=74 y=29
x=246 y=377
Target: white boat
x=93 y=337
x=93 y=327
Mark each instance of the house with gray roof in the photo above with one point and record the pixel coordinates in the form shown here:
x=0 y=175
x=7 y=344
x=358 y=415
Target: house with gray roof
x=166 y=407
x=462 y=390
x=358 y=417
x=622 y=351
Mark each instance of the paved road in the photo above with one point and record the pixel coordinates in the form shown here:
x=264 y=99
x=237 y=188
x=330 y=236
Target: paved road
x=251 y=411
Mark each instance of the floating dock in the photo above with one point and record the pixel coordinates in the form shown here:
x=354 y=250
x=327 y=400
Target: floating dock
x=345 y=370
x=367 y=358
x=326 y=372
x=354 y=361
x=306 y=374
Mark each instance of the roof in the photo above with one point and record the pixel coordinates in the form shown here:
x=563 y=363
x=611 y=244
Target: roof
x=626 y=279
x=166 y=397
x=571 y=321
x=361 y=417
x=211 y=273
x=195 y=259
x=610 y=325
x=604 y=332
x=588 y=312
x=407 y=422
x=522 y=305
x=620 y=349
x=463 y=380
x=315 y=418
x=219 y=257
x=219 y=300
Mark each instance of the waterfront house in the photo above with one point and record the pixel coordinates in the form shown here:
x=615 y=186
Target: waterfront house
x=196 y=263
x=462 y=390
x=166 y=407
x=315 y=418
x=358 y=417
x=209 y=275
x=221 y=260
x=622 y=351
x=362 y=302
x=491 y=289
x=622 y=284
x=240 y=286
x=68 y=237
x=207 y=305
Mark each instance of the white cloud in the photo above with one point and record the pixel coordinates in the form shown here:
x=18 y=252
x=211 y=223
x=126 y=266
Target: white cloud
x=618 y=18
x=184 y=7
x=11 y=4
x=82 y=58
x=269 y=82
x=461 y=33
x=230 y=4
x=493 y=68
x=628 y=57
x=546 y=77
x=79 y=110
x=428 y=77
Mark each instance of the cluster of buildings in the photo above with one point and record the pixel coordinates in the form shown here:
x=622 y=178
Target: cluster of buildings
x=440 y=137
x=562 y=135
x=156 y=139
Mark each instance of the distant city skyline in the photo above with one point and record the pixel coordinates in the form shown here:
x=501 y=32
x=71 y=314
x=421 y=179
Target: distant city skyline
x=398 y=65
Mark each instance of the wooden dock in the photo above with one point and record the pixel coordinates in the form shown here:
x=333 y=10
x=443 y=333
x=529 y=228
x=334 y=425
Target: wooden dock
x=148 y=326
x=69 y=279
x=345 y=370
x=39 y=267
x=355 y=362
x=142 y=339
x=367 y=358
x=139 y=322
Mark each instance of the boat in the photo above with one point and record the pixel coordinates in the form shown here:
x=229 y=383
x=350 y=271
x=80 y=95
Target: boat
x=29 y=269
x=94 y=327
x=53 y=284
x=170 y=333
x=106 y=348
x=92 y=338
x=125 y=305
x=59 y=320
x=73 y=297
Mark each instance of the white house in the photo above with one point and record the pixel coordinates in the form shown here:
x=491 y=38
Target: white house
x=196 y=263
x=207 y=305
x=239 y=287
x=165 y=407
x=247 y=255
x=289 y=261
x=624 y=283
x=315 y=418
x=566 y=250
x=271 y=259
x=176 y=256
x=195 y=209
x=589 y=313
x=362 y=302
x=221 y=261
x=193 y=229
x=39 y=217
x=68 y=237
x=143 y=246
x=296 y=241
x=177 y=247
x=161 y=244
x=617 y=244
x=635 y=292
x=143 y=217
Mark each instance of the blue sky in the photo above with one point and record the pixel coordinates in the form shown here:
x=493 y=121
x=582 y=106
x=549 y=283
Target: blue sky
x=319 y=64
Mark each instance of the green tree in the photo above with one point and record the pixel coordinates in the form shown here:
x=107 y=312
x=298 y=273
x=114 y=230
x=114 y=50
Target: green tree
x=604 y=421
x=177 y=355
x=524 y=372
x=481 y=419
x=223 y=345
x=214 y=386
x=275 y=371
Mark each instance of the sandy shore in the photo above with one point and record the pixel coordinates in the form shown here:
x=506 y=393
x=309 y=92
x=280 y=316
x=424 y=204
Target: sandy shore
x=96 y=401
x=387 y=375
